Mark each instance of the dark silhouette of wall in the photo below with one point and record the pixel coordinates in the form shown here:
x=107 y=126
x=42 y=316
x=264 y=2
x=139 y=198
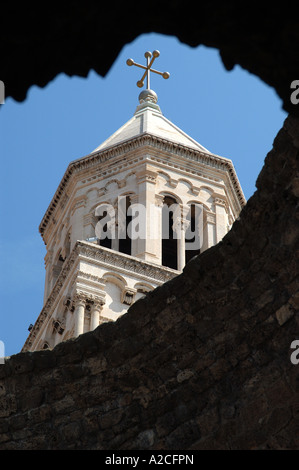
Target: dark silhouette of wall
x=42 y=41
x=202 y=362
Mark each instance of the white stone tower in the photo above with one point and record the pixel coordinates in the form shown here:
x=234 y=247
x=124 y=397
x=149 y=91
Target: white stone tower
x=148 y=161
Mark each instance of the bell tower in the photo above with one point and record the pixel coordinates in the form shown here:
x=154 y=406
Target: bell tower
x=127 y=217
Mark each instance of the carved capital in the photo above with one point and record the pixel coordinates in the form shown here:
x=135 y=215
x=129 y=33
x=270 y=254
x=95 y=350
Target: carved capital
x=185 y=224
x=97 y=304
x=79 y=299
x=159 y=200
x=177 y=225
x=128 y=296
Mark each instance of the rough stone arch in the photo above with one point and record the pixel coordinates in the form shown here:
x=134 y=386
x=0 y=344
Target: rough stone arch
x=236 y=30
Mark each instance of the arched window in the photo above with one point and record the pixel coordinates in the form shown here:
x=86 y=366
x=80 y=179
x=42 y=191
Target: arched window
x=57 y=267
x=169 y=239
x=105 y=239
x=105 y=226
x=193 y=228
x=125 y=241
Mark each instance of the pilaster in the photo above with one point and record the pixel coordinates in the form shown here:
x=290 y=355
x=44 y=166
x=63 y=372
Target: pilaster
x=147 y=246
x=221 y=217
x=209 y=230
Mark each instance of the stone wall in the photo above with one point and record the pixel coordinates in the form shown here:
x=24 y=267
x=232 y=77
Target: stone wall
x=202 y=362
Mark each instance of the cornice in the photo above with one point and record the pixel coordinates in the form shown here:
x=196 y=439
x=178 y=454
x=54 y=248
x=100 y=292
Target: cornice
x=97 y=254
x=125 y=263
x=143 y=140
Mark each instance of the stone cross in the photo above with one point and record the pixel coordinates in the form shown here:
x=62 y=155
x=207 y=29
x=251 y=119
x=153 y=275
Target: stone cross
x=148 y=68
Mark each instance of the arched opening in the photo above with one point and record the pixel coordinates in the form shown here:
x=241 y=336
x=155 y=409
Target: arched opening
x=104 y=229
x=125 y=239
x=169 y=239
x=57 y=267
x=105 y=239
x=193 y=234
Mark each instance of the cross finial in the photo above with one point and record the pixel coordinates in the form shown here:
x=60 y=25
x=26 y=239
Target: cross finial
x=148 y=68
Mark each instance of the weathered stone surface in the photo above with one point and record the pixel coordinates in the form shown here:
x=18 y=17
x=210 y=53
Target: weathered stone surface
x=284 y=314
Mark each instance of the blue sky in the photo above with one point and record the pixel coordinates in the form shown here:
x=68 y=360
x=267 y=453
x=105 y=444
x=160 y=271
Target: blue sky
x=233 y=114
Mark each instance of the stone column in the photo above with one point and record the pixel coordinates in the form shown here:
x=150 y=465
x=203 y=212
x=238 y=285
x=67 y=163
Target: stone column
x=96 y=309
x=115 y=240
x=182 y=245
x=159 y=201
x=134 y=242
x=181 y=226
x=80 y=303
